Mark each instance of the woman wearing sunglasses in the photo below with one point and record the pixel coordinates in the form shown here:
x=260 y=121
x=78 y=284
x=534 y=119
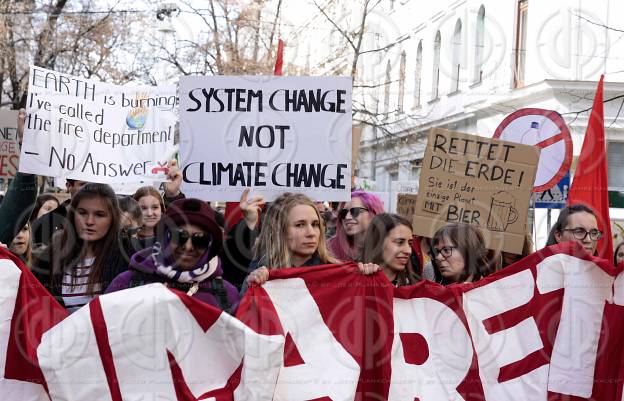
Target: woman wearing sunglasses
x=184 y=256
x=458 y=254
x=353 y=220
x=576 y=223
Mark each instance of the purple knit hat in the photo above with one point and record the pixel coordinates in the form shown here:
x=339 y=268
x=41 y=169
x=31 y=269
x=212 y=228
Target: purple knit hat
x=191 y=211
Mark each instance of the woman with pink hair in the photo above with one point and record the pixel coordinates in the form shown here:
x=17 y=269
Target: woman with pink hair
x=353 y=220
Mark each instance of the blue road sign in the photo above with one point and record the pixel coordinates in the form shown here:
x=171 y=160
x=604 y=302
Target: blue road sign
x=555 y=197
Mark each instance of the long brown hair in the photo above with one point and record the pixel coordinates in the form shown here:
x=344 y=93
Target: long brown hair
x=271 y=248
x=69 y=249
x=373 y=249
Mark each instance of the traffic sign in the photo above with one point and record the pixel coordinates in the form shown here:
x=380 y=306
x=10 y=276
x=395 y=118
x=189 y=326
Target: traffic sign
x=555 y=197
x=547 y=130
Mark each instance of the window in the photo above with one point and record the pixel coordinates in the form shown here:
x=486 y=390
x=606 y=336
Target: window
x=401 y=82
x=520 y=51
x=387 y=89
x=479 y=45
x=416 y=167
x=615 y=150
x=457 y=42
x=418 y=73
x=435 y=78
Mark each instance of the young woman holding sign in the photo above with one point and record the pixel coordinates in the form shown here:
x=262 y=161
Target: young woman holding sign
x=458 y=254
x=84 y=256
x=353 y=220
x=388 y=243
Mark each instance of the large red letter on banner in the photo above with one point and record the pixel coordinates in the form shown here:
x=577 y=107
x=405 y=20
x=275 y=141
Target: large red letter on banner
x=434 y=370
x=328 y=369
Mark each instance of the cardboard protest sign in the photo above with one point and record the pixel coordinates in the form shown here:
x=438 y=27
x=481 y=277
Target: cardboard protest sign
x=94 y=131
x=480 y=181
x=273 y=134
x=406 y=205
x=9 y=143
x=401 y=187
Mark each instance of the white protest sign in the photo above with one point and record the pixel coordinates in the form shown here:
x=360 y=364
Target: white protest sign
x=9 y=147
x=93 y=131
x=273 y=134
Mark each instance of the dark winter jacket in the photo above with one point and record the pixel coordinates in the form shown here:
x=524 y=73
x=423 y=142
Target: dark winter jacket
x=214 y=291
x=53 y=280
x=17 y=205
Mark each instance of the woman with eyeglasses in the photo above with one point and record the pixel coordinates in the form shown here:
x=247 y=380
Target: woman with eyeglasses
x=388 y=243
x=458 y=254
x=184 y=256
x=576 y=223
x=353 y=220
x=618 y=255
x=84 y=256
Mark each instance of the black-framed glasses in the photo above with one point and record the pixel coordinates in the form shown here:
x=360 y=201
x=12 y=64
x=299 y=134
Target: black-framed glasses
x=445 y=251
x=580 y=233
x=354 y=211
x=200 y=241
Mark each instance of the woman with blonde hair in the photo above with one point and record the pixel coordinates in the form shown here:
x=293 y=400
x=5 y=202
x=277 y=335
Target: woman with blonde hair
x=292 y=234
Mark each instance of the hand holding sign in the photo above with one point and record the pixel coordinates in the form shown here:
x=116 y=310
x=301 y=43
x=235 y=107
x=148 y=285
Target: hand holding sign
x=21 y=119
x=174 y=177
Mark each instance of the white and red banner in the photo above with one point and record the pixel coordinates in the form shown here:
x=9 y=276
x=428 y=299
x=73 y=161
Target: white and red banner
x=549 y=328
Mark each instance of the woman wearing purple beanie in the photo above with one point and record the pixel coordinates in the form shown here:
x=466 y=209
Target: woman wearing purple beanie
x=184 y=257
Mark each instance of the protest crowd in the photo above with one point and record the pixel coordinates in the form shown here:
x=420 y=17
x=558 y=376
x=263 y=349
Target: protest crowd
x=98 y=242
x=460 y=300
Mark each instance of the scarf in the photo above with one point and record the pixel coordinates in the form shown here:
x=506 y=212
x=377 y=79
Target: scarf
x=197 y=275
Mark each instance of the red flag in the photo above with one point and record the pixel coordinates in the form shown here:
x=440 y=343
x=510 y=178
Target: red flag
x=232 y=210
x=590 y=184
x=279 y=61
x=27 y=312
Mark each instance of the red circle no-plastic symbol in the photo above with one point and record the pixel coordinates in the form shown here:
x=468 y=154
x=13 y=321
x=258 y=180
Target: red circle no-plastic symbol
x=547 y=130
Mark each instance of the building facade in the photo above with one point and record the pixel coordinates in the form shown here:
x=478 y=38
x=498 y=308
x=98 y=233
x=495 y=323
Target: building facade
x=465 y=65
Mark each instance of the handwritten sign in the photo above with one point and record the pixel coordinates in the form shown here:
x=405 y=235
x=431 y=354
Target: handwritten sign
x=93 y=131
x=480 y=181
x=273 y=134
x=406 y=205
x=9 y=143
